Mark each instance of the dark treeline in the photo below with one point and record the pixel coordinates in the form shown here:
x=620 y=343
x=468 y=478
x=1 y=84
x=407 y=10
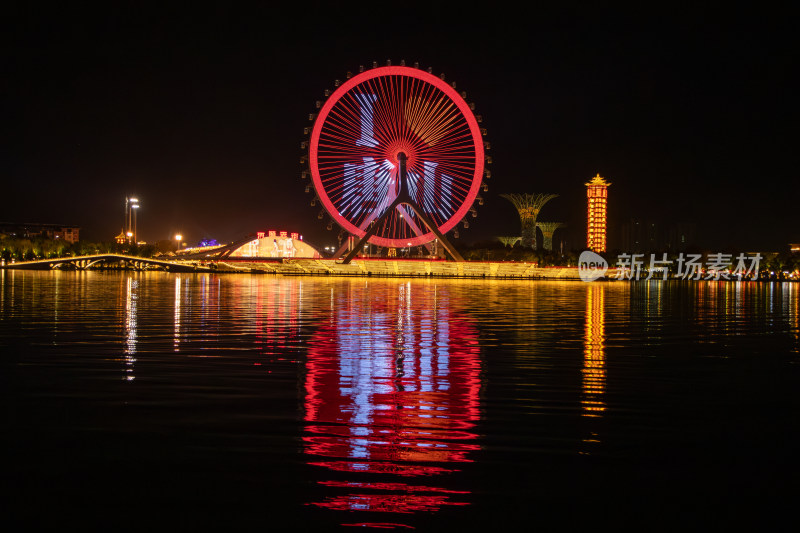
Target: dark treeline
x=497 y=251
x=771 y=265
x=29 y=249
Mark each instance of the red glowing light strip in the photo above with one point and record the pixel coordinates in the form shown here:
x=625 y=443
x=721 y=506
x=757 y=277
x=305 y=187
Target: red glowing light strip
x=387 y=503
x=339 y=117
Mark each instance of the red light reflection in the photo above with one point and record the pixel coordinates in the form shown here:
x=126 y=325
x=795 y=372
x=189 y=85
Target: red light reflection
x=392 y=392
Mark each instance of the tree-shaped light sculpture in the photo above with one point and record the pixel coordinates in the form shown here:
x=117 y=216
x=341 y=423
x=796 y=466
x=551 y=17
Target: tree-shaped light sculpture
x=528 y=206
x=548 y=229
x=508 y=242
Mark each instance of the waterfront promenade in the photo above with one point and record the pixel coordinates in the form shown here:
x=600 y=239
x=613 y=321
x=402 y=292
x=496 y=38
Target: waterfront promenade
x=298 y=267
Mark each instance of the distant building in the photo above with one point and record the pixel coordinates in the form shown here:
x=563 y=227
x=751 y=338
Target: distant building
x=681 y=237
x=597 y=223
x=639 y=236
x=70 y=234
x=794 y=248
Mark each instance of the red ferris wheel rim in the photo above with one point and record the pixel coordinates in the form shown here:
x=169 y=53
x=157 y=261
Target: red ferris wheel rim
x=469 y=179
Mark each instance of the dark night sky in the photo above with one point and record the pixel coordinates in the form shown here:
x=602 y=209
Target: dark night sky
x=200 y=113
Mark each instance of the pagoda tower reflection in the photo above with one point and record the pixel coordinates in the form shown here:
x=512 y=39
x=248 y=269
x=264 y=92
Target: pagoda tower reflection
x=594 y=357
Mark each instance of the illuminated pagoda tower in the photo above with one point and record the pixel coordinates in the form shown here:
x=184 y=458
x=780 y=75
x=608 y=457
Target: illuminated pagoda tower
x=528 y=206
x=597 y=192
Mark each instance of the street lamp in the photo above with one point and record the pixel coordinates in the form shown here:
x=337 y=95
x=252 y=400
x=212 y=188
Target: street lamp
x=131 y=204
x=134 y=208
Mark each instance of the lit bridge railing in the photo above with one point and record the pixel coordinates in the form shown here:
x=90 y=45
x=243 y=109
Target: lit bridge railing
x=84 y=262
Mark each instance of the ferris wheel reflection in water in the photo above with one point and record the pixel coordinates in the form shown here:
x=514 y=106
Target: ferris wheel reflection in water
x=391 y=386
x=392 y=395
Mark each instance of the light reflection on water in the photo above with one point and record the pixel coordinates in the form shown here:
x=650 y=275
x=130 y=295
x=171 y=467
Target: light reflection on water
x=130 y=327
x=383 y=402
x=594 y=359
x=177 y=315
x=392 y=392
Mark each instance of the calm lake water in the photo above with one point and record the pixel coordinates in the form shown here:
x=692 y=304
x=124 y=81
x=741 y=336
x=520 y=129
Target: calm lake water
x=157 y=401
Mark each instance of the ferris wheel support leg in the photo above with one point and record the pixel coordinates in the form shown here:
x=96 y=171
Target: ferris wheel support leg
x=373 y=228
x=342 y=249
x=435 y=229
x=403 y=198
x=449 y=248
x=428 y=246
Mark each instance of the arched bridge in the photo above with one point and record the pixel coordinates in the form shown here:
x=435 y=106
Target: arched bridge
x=83 y=262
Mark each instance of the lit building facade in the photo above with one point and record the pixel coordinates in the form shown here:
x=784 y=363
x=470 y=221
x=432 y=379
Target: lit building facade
x=597 y=192
x=273 y=244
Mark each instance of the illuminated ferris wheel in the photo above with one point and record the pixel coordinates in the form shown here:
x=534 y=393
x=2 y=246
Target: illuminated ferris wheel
x=396 y=157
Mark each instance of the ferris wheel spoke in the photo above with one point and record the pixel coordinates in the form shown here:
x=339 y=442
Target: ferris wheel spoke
x=345 y=127
x=453 y=147
x=383 y=113
x=436 y=126
x=355 y=192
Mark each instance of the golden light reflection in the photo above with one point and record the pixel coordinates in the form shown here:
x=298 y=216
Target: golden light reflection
x=177 y=316
x=594 y=359
x=794 y=312
x=278 y=307
x=131 y=296
x=210 y=290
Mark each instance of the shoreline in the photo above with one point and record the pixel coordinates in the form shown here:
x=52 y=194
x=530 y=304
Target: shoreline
x=359 y=267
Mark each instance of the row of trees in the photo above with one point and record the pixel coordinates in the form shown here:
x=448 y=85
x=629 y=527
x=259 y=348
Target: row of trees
x=24 y=249
x=510 y=249
x=771 y=265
